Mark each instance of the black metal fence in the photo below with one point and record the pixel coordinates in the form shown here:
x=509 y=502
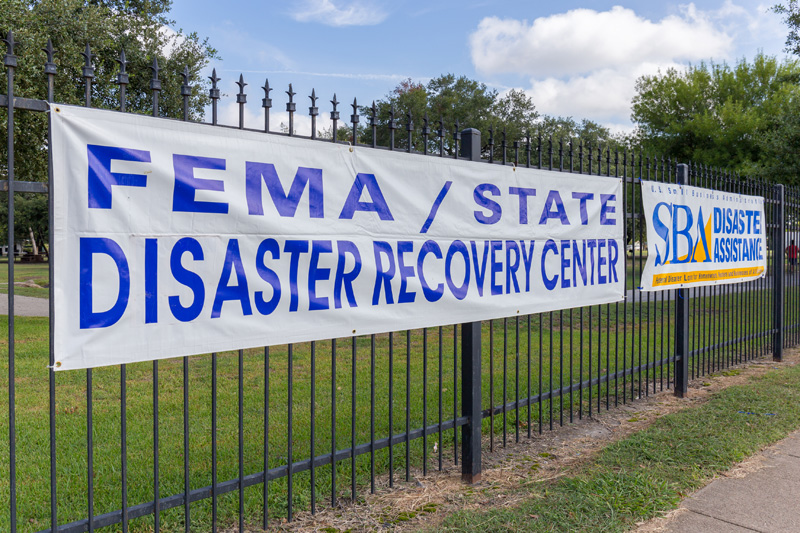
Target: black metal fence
x=227 y=439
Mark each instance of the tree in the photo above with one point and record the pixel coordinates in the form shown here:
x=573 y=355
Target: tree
x=791 y=16
x=714 y=113
x=447 y=100
x=140 y=27
x=781 y=159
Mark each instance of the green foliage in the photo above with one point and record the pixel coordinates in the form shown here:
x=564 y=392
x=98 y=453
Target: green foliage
x=781 y=161
x=791 y=16
x=715 y=113
x=445 y=101
x=30 y=214
x=140 y=27
x=448 y=100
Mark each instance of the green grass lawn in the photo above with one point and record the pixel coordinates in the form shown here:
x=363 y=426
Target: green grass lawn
x=649 y=472
x=566 y=347
x=37 y=273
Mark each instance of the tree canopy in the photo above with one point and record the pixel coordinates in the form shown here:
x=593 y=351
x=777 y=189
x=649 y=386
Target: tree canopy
x=791 y=17
x=450 y=99
x=715 y=113
x=141 y=27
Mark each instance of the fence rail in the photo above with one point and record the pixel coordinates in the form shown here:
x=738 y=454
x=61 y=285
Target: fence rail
x=240 y=438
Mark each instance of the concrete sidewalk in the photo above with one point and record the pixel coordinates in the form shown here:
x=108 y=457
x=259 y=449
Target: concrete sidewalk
x=763 y=495
x=25 y=306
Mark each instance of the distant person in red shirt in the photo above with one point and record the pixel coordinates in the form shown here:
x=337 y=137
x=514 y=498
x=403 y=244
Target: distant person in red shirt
x=791 y=253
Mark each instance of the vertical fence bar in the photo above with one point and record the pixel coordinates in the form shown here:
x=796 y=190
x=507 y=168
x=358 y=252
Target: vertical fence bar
x=265 y=520
x=10 y=61
x=213 y=94
x=471 y=361
x=471 y=401
x=424 y=401
x=241 y=439
x=88 y=76
x=778 y=273
x=313 y=111
x=353 y=420
x=241 y=100
x=333 y=423
x=391 y=409
x=289 y=425
x=505 y=379
x=441 y=377
x=408 y=405
x=455 y=392
x=313 y=436
x=491 y=386
x=682 y=320
x=156 y=491
x=214 y=442
x=266 y=103
x=186 y=92
x=372 y=414
x=291 y=107
x=50 y=71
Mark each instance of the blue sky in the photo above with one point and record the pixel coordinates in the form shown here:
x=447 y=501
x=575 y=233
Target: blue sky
x=577 y=59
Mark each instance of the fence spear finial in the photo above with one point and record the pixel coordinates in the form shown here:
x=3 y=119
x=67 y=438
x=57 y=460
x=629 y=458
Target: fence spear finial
x=50 y=51
x=88 y=69
x=10 y=43
x=186 y=90
x=10 y=60
x=266 y=102
x=335 y=112
x=335 y=116
x=241 y=98
x=214 y=92
x=155 y=83
x=123 y=65
x=354 y=117
x=313 y=110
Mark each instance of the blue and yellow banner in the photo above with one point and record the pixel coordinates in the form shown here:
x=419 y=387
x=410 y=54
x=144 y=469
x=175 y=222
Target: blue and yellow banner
x=699 y=237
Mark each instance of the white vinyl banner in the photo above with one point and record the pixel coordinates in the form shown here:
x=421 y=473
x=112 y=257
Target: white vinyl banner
x=174 y=239
x=699 y=237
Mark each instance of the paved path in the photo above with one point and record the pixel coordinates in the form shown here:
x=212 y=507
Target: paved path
x=766 y=499
x=25 y=306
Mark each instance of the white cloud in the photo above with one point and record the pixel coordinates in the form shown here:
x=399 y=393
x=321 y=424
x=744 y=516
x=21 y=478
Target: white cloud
x=355 y=13
x=584 y=63
x=603 y=95
x=584 y=40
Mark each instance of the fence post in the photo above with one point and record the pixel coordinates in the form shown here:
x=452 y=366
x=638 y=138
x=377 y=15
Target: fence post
x=471 y=361
x=778 y=274
x=682 y=320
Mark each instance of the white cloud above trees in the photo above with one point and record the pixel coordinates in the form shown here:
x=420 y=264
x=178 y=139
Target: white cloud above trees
x=330 y=13
x=584 y=63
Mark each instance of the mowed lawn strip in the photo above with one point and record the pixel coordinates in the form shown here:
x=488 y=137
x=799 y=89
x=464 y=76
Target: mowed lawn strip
x=37 y=273
x=650 y=472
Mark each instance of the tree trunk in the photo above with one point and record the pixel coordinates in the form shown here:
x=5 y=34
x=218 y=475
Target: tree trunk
x=33 y=240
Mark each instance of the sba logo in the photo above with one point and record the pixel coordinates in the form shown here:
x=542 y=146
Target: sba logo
x=685 y=237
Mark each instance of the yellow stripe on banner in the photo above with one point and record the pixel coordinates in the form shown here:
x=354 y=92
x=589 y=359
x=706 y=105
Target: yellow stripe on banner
x=702 y=276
